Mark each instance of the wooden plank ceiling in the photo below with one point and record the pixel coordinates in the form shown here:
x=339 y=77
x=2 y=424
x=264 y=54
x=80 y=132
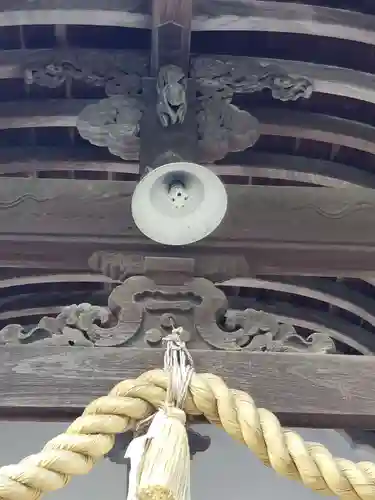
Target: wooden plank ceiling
x=307 y=245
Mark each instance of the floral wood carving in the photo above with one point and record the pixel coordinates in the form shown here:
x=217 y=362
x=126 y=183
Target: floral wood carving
x=141 y=312
x=222 y=126
x=114 y=124
x=66 y=329
x=261 y=331
x=118 y=72
x=230 y=75
x=172 y=100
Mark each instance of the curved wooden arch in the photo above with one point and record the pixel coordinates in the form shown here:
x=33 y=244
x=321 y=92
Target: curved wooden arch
x=278 y=122
x=38 y=159
x=314 y=290
x=55 y=278
x=341 y=330
x=336 y=296
x=213 y=15
x=317 y=127
x=127 y=13
x=284 y=17
x=30 y=313
x=250 y=164
x=294 y=168
x=42 y=297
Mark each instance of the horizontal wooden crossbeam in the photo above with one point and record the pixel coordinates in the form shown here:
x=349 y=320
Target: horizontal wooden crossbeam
x=58 y=224
x=330 y=391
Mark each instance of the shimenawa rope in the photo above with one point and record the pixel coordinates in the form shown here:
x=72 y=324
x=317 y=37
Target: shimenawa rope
x=92 y=435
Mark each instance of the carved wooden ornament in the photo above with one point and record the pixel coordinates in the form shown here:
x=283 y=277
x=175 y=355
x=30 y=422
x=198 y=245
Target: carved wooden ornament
x=144 y=308
x=114 y=122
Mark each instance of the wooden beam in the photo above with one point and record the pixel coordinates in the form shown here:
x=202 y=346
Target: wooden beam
x=342 y=217
x=59 y=223
x=313 y=126
x=302 y=389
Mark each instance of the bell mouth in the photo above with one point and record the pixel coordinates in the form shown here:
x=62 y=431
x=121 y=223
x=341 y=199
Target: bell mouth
x=179 y=203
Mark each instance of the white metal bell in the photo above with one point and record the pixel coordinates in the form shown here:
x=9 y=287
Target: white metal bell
x=179 y=203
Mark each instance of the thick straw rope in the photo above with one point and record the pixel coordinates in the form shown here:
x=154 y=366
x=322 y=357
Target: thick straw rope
x=92 y=435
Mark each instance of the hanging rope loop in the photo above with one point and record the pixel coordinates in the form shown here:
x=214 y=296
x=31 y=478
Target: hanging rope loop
x=91 y=436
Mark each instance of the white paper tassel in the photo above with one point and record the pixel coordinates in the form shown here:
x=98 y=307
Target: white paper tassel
x=165 y=470
x=160 y=460
x=135 y=452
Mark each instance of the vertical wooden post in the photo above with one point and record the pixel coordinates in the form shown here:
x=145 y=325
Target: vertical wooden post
x=171 y=32
x=171 y=29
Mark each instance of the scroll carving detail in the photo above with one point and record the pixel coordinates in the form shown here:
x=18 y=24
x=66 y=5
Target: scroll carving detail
x=261 y=331
x=119 y=72
x=222 y=126
x=113 y=123
x=244 y=75
x=141 y=312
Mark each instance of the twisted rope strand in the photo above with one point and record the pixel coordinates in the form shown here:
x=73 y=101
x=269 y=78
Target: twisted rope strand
x=92 y=435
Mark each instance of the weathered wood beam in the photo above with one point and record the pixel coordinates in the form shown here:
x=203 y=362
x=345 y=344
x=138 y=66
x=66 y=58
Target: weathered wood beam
x=82 y=209
x=327 y=79
x=278 y=230
x=208 y=15
x=302 y=389
x=313 y=126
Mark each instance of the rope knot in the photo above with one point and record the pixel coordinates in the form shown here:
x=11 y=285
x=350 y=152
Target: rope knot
x=177 y=413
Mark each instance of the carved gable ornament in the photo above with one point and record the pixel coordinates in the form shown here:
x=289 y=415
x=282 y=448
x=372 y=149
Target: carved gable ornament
x=114 y=122
x=157 y=294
